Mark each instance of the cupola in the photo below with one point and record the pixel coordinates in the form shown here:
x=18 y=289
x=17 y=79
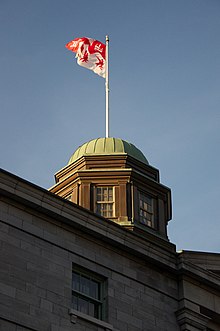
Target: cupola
x=108 y=146
x=112 y=178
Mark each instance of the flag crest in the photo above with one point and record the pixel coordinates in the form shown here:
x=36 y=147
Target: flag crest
x=90 y=53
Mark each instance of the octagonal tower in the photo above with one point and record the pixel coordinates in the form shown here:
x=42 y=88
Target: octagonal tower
x=112 y=178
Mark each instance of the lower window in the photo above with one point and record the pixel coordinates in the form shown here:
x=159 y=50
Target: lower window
x=88 y=292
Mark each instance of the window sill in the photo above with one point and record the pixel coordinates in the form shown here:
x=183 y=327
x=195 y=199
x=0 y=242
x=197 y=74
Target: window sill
x=74 y=314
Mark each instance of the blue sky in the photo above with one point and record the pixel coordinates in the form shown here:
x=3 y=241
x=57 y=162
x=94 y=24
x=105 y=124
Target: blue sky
x=164 y=95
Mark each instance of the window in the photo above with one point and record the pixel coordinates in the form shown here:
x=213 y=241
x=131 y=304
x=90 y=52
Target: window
x=105 y=201
x=146 y=210
x=87 y=292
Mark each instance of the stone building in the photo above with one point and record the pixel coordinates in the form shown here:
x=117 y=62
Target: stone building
x=92 y=253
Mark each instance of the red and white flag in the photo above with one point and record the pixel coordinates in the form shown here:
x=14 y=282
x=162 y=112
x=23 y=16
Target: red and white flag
x=90 y=54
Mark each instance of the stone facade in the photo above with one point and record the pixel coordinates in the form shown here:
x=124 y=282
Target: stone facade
x=149 y=286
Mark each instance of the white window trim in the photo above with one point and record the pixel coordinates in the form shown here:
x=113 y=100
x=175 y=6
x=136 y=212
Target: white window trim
x=105 y=202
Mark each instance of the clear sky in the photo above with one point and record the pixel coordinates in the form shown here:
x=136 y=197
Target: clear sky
x=164 y=98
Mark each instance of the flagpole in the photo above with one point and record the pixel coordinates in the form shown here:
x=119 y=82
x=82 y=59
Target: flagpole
x=106 y=90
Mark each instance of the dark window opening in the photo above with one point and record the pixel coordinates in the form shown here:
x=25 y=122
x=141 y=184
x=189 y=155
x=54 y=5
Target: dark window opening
x=87 y=292
x=146 y=210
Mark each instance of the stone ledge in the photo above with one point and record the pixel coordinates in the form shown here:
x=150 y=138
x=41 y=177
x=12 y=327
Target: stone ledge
x=189 y=320
x=75 y=314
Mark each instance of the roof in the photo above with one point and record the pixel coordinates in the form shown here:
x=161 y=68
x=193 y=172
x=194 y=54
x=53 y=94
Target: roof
x=108 y=146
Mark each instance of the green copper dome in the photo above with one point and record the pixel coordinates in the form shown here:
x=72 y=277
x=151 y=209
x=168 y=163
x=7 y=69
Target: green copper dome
x=108 y=146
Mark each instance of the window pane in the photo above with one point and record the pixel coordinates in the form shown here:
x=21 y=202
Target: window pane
x=76 y=281
x=83 y=306
x=110 y=194
x=84 y=285
x=142 y=220
x=146 y=210
x=98 y=208
x=105 y=194
x=98 y=190
x=109 y=207
x=94 y=289
x=97 y=311
x=92 y=309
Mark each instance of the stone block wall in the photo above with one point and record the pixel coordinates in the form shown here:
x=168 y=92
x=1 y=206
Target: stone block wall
x=37 y=254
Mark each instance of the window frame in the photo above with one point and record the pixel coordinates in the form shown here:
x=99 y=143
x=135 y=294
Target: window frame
x=97 y=302
x=104 y=202
x=151 y=221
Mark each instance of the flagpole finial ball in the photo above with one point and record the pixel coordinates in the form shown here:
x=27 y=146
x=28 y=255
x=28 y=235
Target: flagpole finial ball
x=107 y=38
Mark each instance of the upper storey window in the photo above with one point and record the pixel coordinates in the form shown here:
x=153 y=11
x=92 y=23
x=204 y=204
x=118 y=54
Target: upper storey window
x=105 y=201
x=146 y=210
